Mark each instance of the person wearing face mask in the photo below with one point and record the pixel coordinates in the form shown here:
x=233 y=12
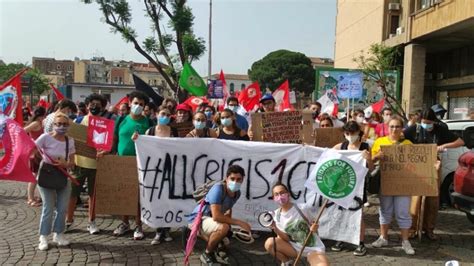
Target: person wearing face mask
x=429 y=131
x=86 y=167
x=210 y=111
x=64 y=106
x=125 y=128
x=200 y=127
x=292 y=223
x=217 y=212
x=55 y=200
x=241 y=121
x=183 y=113
x=381 y=130
x=353 y=135
x=229 y=129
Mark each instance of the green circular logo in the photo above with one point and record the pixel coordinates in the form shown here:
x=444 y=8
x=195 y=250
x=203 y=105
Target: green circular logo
x=194 y=81
x=336 y=179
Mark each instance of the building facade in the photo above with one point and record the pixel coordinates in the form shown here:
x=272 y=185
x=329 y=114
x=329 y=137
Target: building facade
x=435 y=40
x=60 y=72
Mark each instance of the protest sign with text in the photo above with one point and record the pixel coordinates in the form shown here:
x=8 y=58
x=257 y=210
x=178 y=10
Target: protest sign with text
x=278 y=127
x=79 y=134
x=100 y=133
x=170 y=169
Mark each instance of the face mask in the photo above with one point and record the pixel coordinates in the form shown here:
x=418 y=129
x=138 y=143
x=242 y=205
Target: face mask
x=208 y=114
x=386 y=118
x=164 y=120
x=95 y=110
x=199 y=125
x=234 y=186
x=60 y=130
x=136 y=109
x=427 y=126
x=359 y=120
x=315 y=114
x=351 y=138
x=282 y=199
x=226 y=122
x=234 y=108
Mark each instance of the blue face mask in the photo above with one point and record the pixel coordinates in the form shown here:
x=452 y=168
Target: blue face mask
x=233 y=186
x=199 y=125
x=164 y=120
x=226 y=122
x=427 y=126
x=208 y=114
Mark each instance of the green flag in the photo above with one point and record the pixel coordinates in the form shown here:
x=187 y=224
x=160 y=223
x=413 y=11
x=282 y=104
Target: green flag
x=191 y=81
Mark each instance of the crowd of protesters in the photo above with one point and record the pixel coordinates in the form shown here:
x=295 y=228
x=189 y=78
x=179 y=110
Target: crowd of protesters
x=363 y=131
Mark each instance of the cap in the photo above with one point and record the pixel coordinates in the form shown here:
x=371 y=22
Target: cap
x=438 y=108
x=183 y=107
x=267 y=97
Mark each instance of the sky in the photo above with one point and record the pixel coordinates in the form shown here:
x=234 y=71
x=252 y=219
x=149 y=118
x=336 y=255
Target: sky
x=244 y=31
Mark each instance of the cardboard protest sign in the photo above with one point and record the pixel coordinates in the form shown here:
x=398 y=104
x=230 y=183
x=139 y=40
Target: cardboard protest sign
x=171 y=169
x=307 y=131
x=409 y=170
x=278 y=127
x=100 y=133
x=116 y=185
x=79 y=134
x=328 y=137
x=183 y=128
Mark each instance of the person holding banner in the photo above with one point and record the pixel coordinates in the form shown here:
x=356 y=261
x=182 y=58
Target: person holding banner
x=268 y=103
x=353 y=135
x=183 y=113
x=393 y=205
x=54 y=148
x=217 y=217
x=291 y=223
x=429 y=131
x=229 y=129
x=241 y=121
x=125 y=128
x=86 y=167
x=200 y=127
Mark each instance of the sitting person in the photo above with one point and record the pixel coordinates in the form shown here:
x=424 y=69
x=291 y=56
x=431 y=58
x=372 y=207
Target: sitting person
x=291 y=224
x=217 y=212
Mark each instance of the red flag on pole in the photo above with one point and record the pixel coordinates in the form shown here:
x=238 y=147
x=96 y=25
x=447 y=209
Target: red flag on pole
x=194 y=102
x=282 y=97
x=249 y=97
x=57 y=93
x=224 y=89
x=121 y=101
x=376 y=107
x=43 y=103
x=10 y=98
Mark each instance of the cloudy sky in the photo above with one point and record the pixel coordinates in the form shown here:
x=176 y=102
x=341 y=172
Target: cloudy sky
x=243 y=30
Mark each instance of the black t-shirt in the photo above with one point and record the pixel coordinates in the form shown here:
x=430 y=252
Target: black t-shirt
x=439 y=135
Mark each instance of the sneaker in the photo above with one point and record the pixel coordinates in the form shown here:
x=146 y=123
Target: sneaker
x=157 y=239
x=121 y=229
x=60 y=240
x=43 y=243
x=361 y=250
x=367 y=204
x=167 y=237
x=93 y=230
x=380 y=242
x=138 y=234
x=406 y=246
x=208 y=258
x=338 y=246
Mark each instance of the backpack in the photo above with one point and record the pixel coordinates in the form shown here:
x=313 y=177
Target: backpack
x=201 y=191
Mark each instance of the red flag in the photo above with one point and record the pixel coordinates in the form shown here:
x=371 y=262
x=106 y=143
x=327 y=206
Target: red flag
x=194 y=102
x=225 y=90
x=43 y=103
x=282 y=97
x=329 y=102
x=18 y=145
x=10 y=98
x=57 y=93
x=249 y=97
x=376 y=107
x=100 y=133
x=121 y=101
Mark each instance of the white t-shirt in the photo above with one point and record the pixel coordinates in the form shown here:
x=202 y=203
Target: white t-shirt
x=297 y=229
x=53 y=147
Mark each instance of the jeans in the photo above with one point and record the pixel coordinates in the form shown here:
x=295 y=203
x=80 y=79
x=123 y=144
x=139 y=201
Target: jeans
x=54 y=200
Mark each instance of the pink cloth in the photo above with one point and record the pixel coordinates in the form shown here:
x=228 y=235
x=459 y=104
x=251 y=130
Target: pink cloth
x=193 y=235
x=381 y=130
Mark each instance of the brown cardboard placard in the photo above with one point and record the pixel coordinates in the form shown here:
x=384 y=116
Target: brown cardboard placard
x=116 y=185
x=307 y=131
x=328 y=137
x=79 y=134
x=278 y=127
x=183 y=128
x=409 y=170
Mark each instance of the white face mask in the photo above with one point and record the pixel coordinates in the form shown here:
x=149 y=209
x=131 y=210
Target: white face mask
x=136 y=109
x=352 y=138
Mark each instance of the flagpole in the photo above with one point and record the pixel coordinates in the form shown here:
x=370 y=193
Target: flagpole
x=209 y=70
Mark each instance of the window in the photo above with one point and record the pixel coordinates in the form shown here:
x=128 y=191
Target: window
x=58 y=67
x=394 y=23
x=242 y=86
x=232 y=87
x=69 y=67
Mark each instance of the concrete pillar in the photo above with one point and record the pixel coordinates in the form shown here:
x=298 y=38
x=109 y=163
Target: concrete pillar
x=413 y=77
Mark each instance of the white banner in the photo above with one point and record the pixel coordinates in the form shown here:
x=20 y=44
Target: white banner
x=171 y=168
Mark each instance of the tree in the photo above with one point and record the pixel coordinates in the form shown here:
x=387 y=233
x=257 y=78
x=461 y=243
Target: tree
x=167 y=52
x=374 y=64
x=280 y=65
x=39 y=83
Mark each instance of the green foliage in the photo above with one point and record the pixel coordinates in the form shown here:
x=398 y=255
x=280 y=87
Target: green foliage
x=39 y=82
x=277 y=66
x=193 y=47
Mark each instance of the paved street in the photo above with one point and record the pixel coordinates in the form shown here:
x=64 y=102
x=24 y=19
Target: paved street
x=19 y=239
